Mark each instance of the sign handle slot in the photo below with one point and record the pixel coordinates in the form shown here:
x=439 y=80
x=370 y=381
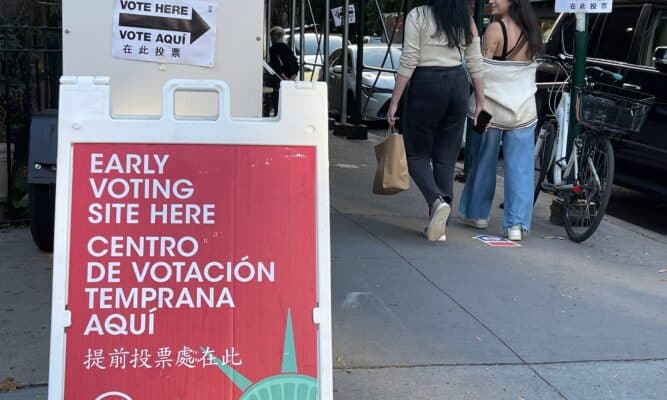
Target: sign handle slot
x=201 y=86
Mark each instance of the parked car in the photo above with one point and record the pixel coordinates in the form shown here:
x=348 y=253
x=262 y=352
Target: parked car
x=372 y=39
x=313 y=54
x=626 y=41
x=376 y=97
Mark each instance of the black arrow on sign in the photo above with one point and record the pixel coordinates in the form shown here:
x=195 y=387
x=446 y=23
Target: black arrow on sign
x=195 y=26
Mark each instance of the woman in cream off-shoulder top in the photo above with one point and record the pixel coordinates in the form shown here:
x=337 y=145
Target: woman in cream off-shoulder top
x=510 y=46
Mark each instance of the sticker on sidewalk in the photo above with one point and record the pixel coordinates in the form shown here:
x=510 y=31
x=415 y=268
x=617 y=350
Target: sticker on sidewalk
x=496 y=241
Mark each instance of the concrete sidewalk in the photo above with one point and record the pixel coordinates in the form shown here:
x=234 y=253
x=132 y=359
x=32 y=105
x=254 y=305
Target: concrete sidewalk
x=461 y=320
x=455 y=320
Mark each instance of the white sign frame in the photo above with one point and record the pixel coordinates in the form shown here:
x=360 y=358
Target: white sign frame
x=584 y=6
x=84 y=117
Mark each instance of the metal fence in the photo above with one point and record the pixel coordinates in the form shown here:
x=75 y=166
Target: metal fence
x=30 y=69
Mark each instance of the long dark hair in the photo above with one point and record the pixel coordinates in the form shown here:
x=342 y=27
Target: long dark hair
x=452 y=18
x=522 y=14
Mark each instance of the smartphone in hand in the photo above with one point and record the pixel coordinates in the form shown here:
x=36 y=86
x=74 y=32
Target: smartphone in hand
x=483 y=120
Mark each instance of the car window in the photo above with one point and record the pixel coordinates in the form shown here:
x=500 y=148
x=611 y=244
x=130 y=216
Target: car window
x=617 y=33
x=373 y=57
x=335 y=43
x=656 y=36
x=594 y=28
x=310 y=45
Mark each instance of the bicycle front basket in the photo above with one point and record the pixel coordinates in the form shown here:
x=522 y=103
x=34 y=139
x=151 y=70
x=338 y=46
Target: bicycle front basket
x=613 y=109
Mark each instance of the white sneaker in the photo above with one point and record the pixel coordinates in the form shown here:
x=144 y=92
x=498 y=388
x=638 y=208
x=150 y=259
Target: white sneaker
x=514 y=233
x=476 y=223
x=437 y=226
x=443 y=238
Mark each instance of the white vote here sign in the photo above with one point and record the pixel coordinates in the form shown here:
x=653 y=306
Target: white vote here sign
x=165 y=31
x=337 y=14
x=584 y=6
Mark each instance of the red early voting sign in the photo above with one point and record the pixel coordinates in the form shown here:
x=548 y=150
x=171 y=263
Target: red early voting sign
x=181 y=254
x=192 y=272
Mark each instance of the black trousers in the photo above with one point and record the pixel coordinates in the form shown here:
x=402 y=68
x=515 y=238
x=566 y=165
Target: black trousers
x=437 y=106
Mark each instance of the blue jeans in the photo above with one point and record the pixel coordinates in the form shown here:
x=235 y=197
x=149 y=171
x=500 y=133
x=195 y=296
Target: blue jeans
x=519 y=164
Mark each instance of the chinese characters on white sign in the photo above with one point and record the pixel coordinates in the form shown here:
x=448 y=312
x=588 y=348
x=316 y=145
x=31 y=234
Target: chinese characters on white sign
x=584 y=6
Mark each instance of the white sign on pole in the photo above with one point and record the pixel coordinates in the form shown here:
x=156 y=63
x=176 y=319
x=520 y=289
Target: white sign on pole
x=584 y=6
x=174 y=32
x=337 y=14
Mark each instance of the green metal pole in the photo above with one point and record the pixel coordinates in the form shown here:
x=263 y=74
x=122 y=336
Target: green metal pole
x=467 y=161
x=404 y=100
x=361 y=31
x=579 y=70
x=346 y=60
x=479 y=14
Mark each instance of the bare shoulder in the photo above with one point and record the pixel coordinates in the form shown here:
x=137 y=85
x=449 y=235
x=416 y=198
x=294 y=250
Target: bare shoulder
x=493 y=36
x=493 y=31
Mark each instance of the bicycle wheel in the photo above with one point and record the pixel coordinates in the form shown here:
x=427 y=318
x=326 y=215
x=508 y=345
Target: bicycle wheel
x=584 y=206
x=544 y=150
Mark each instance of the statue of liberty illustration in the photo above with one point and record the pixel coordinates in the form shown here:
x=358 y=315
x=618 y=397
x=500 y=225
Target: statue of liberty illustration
x=288 y=385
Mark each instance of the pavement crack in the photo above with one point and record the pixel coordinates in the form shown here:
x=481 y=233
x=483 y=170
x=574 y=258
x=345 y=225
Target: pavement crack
x=32 y=386
x=458 y=304
x=500 y=364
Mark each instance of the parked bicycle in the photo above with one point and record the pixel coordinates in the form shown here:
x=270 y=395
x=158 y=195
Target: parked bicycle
x=583 y=175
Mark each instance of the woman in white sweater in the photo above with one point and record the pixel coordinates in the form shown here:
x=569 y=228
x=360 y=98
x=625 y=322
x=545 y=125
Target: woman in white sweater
x=509 y=47
x=437 y=37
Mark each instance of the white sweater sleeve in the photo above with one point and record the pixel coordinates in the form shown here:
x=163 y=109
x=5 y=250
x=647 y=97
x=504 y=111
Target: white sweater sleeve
x=411 y=46
x=474 y=60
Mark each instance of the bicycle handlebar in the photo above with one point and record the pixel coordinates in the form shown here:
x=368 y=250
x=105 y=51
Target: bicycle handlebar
x=614 y=75
x=563 y=61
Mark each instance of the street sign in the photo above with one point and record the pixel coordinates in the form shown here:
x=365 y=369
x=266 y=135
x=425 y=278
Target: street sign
x=338 y=16
x=584 y=6
x=191 y=258
x=174 y=32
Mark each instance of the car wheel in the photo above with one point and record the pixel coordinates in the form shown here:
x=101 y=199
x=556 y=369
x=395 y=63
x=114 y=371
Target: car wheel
x=42 y=210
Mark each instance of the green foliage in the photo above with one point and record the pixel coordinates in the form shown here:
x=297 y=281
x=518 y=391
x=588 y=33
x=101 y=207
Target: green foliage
x=13 y=40
x=17 y=72
x=9 y=40
x=10 y=74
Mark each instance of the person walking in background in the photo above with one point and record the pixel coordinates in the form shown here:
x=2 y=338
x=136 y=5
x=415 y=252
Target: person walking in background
x=509 y=47
x=437 y=37
x=283 y=61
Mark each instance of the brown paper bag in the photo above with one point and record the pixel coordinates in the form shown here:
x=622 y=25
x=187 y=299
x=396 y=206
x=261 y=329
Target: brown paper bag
x=392 y=174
